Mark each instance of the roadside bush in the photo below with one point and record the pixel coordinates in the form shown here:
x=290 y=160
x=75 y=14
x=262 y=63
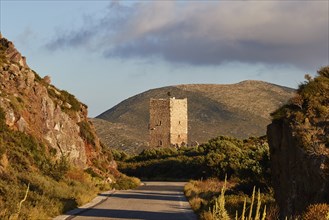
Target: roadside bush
x=211 y=199
x=125 y=182
x=317 y=212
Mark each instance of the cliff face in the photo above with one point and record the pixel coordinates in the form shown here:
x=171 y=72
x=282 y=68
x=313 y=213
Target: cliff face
x=34 y=106
x=300 y=178
x=299 y=147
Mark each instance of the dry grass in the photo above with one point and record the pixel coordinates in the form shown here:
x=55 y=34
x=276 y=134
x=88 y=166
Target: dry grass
x=47 y=197
x=317 y=212
x=202 y=196
x=196 y=203
x=120 y=136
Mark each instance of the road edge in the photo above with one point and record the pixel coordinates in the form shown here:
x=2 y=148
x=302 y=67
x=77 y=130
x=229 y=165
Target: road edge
x=102 y=197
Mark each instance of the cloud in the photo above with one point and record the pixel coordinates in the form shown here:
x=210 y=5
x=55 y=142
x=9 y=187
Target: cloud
x=211 y=32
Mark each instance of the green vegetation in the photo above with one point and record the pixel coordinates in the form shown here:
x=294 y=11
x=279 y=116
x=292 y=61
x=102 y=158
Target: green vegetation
x=125 y=182
x=37 y=76
x=67 y=101
x=308 y=111
x=2 y=54
x=55 y=186
x=85 y=132
x=244 y=162
x=247 y=160
x=69 y=98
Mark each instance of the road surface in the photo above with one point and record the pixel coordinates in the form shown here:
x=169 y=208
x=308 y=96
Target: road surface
x=152 y=201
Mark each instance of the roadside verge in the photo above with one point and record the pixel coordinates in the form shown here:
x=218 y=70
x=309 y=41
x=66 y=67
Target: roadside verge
x=102 y=197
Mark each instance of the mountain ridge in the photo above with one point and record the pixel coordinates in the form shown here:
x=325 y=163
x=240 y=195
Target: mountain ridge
x=214 y=109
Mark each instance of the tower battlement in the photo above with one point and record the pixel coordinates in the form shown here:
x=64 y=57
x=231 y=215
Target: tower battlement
x=168 y=122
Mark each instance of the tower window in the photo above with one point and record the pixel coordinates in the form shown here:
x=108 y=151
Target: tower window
x=160 y=143
x=160 y=123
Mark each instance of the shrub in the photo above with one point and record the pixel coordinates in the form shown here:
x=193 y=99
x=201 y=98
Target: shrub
x=308 y=112
x=213 y=205
x=316 y=212
x=60 y=168
x=125 y=182
x=85 y=132
x=3 y=126
x=64 y=97
x=69 y=98
x=247 y=159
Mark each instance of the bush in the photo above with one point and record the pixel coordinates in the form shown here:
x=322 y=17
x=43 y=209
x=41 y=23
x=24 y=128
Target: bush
x=316 y=212
x=247 y=159
x=3 y=126
x=207 y=200
x=69 y=98
x=308 y=112
x=85 y=132
x=64 y=97
x=124 y=182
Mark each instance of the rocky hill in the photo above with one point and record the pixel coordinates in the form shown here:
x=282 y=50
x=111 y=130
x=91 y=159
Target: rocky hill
x=48 y=148
x=34 y=106
x=240 y=110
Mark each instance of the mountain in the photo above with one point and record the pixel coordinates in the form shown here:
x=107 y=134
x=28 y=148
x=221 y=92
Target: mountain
x=240 y=110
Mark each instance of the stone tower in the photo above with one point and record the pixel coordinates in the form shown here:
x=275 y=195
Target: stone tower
x=168 y=122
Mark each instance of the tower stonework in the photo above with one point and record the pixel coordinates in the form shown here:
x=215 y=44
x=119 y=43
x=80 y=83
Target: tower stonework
x=168 y=122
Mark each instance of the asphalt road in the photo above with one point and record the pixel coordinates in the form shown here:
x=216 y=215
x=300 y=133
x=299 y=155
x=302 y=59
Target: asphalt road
x=152 y=201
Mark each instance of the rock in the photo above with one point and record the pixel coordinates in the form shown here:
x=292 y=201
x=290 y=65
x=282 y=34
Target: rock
x=299 y=177
x=22 y=125
x=10 y=117
x=30 y=78
x=57 y=127
x=42 y=114
x=3 y=163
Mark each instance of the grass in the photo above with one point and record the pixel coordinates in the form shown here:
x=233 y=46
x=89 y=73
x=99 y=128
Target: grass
x=47 y=196
x=204 y=195
x=55 y=185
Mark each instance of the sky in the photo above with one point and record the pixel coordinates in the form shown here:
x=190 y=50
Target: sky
x=106 y=51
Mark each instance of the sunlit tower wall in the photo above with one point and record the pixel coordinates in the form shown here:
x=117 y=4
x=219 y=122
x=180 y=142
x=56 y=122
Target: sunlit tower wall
x=168 y=122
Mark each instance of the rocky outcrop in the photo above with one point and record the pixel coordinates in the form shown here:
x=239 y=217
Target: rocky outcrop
x=34 y=106
x=300 y=177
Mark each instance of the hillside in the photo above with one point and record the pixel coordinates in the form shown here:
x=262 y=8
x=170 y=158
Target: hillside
x=48 y=148
x=34 y=106
x=240 y=110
